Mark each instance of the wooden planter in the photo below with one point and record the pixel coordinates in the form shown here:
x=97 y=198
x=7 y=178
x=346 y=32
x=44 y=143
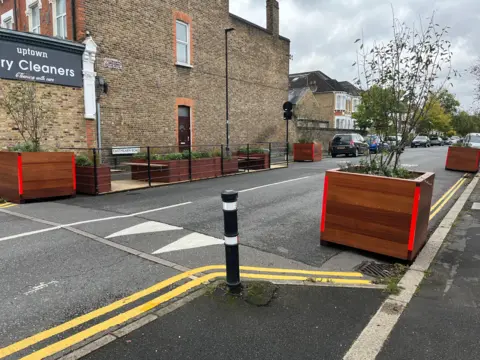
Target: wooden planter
x=462 y=159
x=86 y=179
x=230 y=166
x=28 y=176
x=307 y=152
x=178 y=170
x=383 y=215
x=253 y=161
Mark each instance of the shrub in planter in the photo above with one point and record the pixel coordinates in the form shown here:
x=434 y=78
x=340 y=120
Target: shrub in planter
x=305 y=150
x=253 y=158
x=85 y=171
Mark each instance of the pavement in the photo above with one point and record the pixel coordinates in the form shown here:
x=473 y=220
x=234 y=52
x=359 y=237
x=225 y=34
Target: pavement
x=64 y=260
x=443 y=319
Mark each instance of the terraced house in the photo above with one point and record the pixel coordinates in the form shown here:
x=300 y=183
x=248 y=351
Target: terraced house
x=149 y=72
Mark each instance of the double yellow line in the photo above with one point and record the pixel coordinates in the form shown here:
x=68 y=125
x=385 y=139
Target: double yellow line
x=334 y=277
x=438 y=206
x=6 y=205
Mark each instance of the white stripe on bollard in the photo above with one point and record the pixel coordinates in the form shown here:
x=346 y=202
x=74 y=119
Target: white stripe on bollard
x=230 y=206
x=231 y=240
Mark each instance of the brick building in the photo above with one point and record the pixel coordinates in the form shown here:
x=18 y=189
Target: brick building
x=164 y=64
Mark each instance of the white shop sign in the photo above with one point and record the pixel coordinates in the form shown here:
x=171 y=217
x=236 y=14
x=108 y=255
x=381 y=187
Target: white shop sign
x=125 y=150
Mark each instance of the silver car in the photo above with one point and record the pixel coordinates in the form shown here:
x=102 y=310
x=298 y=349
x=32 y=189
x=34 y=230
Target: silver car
x=436 y=140
x=473 y=140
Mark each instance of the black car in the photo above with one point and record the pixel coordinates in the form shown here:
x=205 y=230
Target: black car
x=349 y=144
x=421 y=140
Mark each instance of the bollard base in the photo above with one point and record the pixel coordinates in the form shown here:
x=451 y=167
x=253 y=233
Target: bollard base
x=235 y=288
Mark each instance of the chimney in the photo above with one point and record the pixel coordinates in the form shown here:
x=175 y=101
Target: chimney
x=273 y=17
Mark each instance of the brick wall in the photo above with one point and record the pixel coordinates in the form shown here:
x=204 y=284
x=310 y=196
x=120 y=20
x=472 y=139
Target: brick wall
x=327 y=107
x=67 y=128
x=140 y=107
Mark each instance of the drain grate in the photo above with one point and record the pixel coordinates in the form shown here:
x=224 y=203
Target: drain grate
x=377 y=270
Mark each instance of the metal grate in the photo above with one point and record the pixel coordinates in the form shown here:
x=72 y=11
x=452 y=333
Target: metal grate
x=377 y=270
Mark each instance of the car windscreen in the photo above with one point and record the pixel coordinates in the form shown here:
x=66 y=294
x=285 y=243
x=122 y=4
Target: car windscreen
x=473 y=138
x=342 y=139
x=420 y=138
x=372 y=138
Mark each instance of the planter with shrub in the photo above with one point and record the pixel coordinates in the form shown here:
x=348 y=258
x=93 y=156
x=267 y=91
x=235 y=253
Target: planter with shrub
x=253 y=158
x=306 y=150
x=36 y=175
x=462 y=158
x=86 y=183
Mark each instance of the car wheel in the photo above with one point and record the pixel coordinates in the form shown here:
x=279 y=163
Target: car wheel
x=334 y=155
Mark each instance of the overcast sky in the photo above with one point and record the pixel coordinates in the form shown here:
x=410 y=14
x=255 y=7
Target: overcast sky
x=322 y=32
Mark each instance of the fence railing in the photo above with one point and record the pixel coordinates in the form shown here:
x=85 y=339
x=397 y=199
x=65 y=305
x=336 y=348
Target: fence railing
x=133 y=167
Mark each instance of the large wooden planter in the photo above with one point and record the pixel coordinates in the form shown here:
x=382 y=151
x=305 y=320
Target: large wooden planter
x=383 y=215
x=86 y=179
x=178 y=170
x=462 y=159
x=253 y=161
x=307 y=152
x=28 y=176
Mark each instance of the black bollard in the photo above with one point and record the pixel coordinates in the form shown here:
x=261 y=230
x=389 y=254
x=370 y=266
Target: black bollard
x=230 y=220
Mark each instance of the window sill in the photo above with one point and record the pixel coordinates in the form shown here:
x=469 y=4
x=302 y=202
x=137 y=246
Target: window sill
x=184 y=65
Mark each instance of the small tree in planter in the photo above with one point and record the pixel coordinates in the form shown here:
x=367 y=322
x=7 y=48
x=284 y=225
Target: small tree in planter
x=30 y=173
x=378 y=206
x=305 y=149
x=92 y=179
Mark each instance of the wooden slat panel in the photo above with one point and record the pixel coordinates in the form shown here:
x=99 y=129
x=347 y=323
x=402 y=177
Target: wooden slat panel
x=421 y=231
x=9 y=176
x=363 y=242
x=462 y=159
x=371 y=198
x=46 y=157
x=46 y=193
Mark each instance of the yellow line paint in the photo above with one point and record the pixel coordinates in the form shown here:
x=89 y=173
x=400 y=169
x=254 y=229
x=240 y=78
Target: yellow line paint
x=445 y=195
x=22 y=344
x=5 y=206
x=304 y=278
x=432 y=215
x=308 y=272
x=139 y=310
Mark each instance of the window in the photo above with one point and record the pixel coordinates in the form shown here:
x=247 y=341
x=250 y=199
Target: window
x=60 y=14
x=35 y=19
x=6 y=20
x=183 y=43
x=8 y=24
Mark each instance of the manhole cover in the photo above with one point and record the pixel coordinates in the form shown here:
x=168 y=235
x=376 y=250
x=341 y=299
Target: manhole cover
x=377 y=270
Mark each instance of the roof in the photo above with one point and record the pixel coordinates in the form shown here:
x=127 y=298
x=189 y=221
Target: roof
x=235 y=17
x=295 y=95
x=318 y=73
x=351 y=89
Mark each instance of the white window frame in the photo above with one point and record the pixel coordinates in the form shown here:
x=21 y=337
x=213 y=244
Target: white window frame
x=30 y=5
x=187 y=43
x=7 y=18
x=55 y=16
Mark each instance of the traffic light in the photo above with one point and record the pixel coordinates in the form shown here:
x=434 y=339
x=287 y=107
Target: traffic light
x=287 y=111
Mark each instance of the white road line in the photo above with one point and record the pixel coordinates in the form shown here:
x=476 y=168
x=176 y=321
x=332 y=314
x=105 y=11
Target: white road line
x=57 y=227
x=370 y=342
x=277 y=183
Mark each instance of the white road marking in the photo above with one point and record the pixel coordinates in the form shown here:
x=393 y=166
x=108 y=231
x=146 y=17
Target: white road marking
x=191 y=241
x=78 y=223
x=40 y=287
x=476 y=206
x=277 y=183
x=145 y=228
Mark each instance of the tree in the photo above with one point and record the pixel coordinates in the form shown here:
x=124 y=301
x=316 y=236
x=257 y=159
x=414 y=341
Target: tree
x=436 y=118
x=448 y=101
x=415 y=65
x=464 y=123
x=475 y=70
x=28 y=110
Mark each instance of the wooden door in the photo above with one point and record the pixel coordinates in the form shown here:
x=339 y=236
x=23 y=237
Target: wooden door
x=184 y=132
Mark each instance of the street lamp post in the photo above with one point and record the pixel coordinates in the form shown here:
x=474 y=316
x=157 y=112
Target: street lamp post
x=226 y=88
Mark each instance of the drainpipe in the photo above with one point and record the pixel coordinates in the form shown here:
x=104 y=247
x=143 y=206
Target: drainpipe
x=74 y=21
x=15 y=14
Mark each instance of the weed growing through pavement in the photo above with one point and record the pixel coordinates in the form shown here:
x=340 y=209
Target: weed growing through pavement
x=392 y=281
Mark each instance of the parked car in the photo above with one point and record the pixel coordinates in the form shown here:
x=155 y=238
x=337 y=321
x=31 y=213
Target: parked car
x=394 y=141
x=454 y=139
x=420 y=140
x=473 y=140
x=376 y=144
x=436 y=140
x=349 y=144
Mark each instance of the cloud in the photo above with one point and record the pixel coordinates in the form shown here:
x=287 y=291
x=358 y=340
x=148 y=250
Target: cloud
x=322 y=32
